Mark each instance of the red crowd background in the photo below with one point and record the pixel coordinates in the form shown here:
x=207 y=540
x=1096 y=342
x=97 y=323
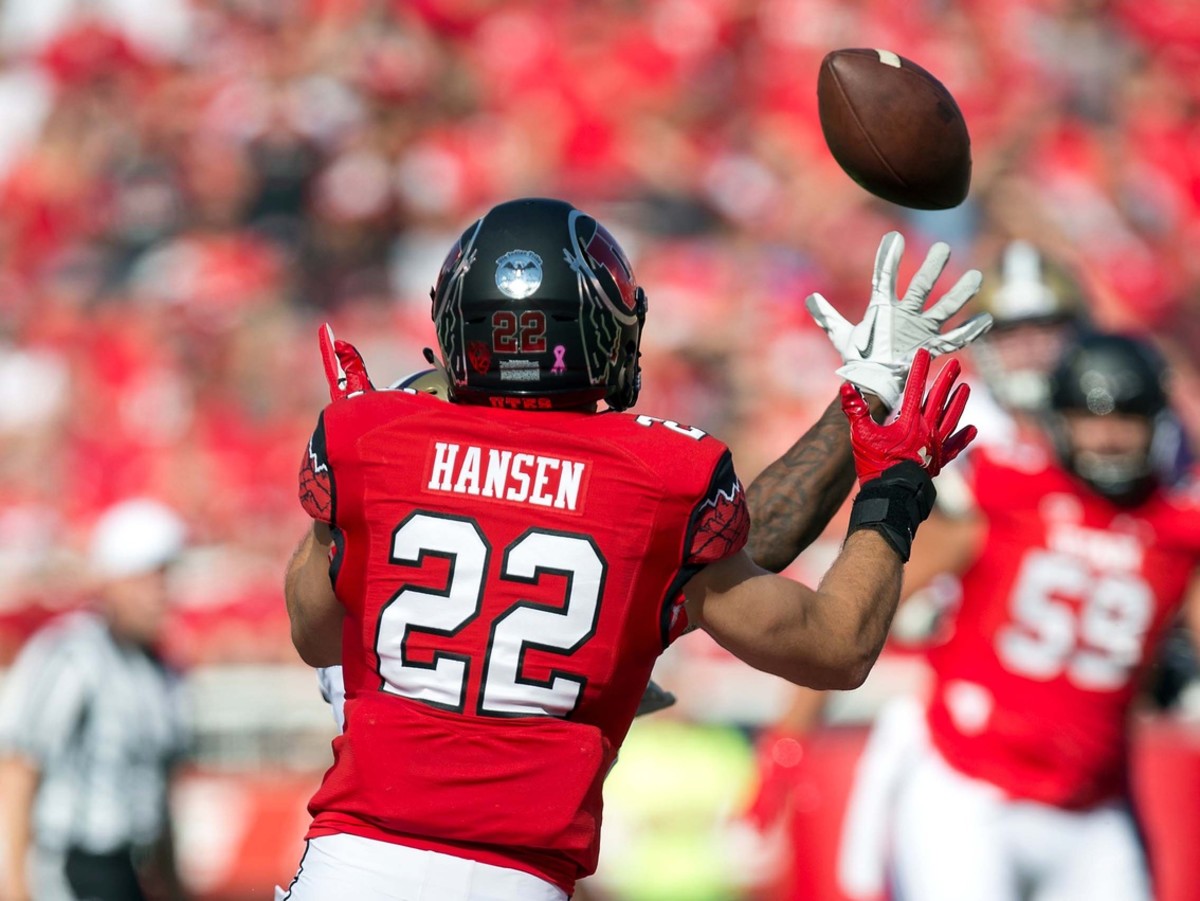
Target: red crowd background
x=188 y=188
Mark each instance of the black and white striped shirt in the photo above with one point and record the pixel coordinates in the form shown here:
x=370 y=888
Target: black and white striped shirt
x=104 y=722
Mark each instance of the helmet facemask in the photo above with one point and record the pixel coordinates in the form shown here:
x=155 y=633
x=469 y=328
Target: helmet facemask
x=1015 y=361
x=1123 y=474
x=1038 y=309
x=1117 y=380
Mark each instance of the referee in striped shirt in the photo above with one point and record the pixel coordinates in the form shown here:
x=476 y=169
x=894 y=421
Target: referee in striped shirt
x=91 y=725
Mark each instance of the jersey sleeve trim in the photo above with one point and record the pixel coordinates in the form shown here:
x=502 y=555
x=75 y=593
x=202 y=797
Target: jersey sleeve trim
x=718 y=527
x=720 y=523
x=317 y=491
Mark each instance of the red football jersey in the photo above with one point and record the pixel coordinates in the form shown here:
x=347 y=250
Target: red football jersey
x=1061 y=615
x=509 y=579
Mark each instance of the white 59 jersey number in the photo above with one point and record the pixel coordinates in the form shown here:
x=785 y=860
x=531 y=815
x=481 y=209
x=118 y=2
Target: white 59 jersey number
x=1068 y=619
x=561 y=629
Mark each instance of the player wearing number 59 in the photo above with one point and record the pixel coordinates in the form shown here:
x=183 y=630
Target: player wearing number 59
x=1076 y=557
x=507 y=567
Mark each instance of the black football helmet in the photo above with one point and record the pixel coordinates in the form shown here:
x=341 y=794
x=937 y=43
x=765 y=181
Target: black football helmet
x=1104 y=374
x=536 y=307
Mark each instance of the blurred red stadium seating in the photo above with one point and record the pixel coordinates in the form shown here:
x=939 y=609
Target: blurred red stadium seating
x=177 y=221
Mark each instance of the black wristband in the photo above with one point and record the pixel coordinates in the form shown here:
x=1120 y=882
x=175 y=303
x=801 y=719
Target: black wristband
x=894 y=504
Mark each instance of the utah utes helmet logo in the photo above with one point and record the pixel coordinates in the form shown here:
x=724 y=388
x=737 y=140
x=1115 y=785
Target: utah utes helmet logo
x=612 y=268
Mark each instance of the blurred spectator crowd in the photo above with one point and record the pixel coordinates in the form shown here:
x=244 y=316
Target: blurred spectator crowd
x=189 y=187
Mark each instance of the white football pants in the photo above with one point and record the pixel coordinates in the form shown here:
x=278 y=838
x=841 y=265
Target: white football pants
x=960 y=839
x=896 y=744
x=345 y=867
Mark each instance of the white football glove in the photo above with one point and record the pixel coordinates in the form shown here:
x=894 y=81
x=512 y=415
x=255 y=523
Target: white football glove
x=878 y=352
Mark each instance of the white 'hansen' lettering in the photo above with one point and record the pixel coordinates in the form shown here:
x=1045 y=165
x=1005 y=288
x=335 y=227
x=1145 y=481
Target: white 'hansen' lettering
x=504 y=475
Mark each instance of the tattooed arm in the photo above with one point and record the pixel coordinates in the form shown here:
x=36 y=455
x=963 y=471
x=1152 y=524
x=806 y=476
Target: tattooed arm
x=794 y=498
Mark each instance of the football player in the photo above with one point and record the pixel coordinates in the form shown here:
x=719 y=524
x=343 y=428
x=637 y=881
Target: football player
x=1039 y=308
x=1039 y=311
x=497 y=575
x=330 y=680
x=1076 y=555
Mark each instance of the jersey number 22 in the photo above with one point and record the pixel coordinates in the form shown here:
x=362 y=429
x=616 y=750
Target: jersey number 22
x=525 y=625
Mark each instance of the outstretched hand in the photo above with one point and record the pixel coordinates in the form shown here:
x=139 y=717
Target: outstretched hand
x=922 y=432
x=878 y=351
x=344 y=367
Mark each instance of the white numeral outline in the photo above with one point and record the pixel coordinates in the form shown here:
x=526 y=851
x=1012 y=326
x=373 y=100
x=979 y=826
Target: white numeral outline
x=557 y=628
x=689 y=431
x=428 y=610
x=505 y=691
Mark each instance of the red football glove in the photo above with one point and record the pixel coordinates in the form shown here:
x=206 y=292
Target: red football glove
x=344 y=366
x=920 y=432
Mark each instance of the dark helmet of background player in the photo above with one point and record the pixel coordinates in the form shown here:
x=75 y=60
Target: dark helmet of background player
x=1037 y=307
x=1110 y=375
x=536 y=306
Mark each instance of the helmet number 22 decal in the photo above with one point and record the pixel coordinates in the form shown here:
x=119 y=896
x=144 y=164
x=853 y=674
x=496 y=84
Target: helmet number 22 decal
x=519 y=333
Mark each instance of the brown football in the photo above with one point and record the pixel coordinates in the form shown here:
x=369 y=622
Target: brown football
x=894 y=128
